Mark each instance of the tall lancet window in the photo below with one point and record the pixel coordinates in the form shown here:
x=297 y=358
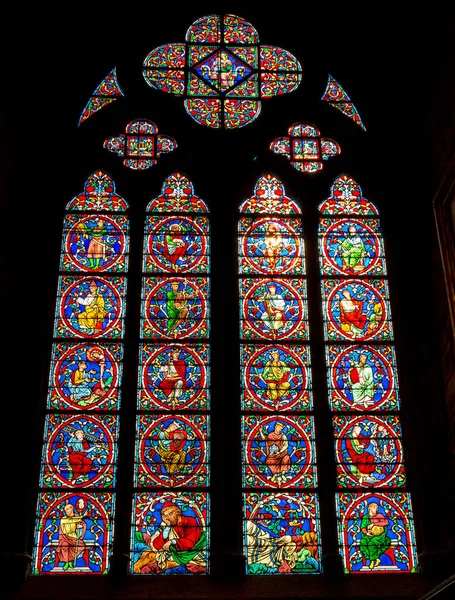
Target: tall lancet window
x=170 y=523
x=73 y=532
x=281 y=520
x=375 y=522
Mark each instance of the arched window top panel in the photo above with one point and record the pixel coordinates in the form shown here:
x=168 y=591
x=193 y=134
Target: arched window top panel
x=98 y=195
x=269 y=197
x=346 y=198
x=222 y=71
x=177 y=195
x=236 y=30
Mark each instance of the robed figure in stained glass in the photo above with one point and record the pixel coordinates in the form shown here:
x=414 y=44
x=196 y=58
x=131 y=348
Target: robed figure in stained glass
x=70 y=545
x=374 y=540
x=179 y=541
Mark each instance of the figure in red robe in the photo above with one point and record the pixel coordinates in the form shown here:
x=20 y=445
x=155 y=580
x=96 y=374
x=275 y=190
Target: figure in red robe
x=174 y=376
x=352 y=319
x=364 y=462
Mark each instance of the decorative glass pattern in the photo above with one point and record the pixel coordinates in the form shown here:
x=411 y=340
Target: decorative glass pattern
x=170 y=528
x=95 y=243
x=140 y=145
x=174 y=308
x=74 y=523
x=73 y=533
x=162 y=366
x=282 y=533
x=362 y=377
x=281 y=530
x=376 y=532
x=352 y=246
x=276 y=378
x=108 y=91
x=176 y=244
x=85 y=375
x=188 y=516
x=336 y=96
x=271 y=245
x=222 y=71
x=304 y=147
x=273 y=309
x=357 y=309
x=90 y=307
x=375 y=527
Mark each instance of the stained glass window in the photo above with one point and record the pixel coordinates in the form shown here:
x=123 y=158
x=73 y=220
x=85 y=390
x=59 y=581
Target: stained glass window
x=304 y=147
x=140 y=145
x=335 y=95
x=374 y=512
x=280 y=501
x=222 y=71
x=73 y=531
x=171 y=506
x=107 y=92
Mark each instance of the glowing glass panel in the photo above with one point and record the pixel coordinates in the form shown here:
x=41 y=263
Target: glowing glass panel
x=73 y=533
x=86 y=375
x=176 y=244
x=282 y=533
x=189 y=554
x=80 y=451
x=108 y=91
x=376 y=532
x=90 y=307
x=275 y=378
x=98 y=195
x=356 y=310
x=351 y=247
x=172 y=451
x=174 y=377
x=273 y=309
x=278 y=451
x=269 y=197
x=271 y=246
x=141 y=146
x=94 y=243
x=369 y=451
x=222 y=71
x=362 y=384
x=304 y=148
x=336 y=96
x=174 y=308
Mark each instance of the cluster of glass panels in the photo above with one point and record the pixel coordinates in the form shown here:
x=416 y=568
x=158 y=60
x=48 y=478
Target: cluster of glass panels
x=375 y=522
x=222 y=71
x=170 y=518
x=73 y=531
x=280 y=503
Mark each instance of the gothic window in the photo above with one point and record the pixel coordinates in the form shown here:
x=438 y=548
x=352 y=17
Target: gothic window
x=375 y=521
x=172 y=428
x=75 y=512
x=281 y=514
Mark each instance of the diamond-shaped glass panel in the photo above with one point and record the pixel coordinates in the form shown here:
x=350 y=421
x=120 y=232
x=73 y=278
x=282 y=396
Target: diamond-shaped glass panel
x=222 y=70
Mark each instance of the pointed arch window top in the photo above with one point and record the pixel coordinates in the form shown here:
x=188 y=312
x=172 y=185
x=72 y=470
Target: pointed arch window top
x=140 y=145
x=346 y=198
x=222 y=71
x=99 y=194
x=305 y=148
x=177 y=195
x=269 y=197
